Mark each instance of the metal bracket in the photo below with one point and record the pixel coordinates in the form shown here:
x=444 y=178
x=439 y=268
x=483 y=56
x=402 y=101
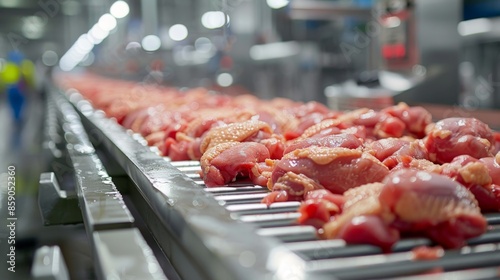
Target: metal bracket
x=49 y=264
x=57 y=206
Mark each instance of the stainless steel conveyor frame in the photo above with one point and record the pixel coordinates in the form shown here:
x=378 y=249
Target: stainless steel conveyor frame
x=223 y=232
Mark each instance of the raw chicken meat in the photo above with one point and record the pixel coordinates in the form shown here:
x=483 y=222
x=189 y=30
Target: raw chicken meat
x=335 y=169
x=223 y=163
x=409 y=202
x=356 y=171
x=453 y=137
x=338 y=140
x=394 y=151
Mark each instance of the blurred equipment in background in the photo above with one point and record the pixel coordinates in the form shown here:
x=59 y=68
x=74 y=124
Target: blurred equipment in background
x=411 y=50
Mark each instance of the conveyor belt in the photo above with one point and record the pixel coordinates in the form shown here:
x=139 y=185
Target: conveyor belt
x=228 y=234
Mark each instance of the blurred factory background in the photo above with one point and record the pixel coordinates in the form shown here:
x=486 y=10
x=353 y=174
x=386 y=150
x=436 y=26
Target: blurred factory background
x=339 y=52
x=432 y=51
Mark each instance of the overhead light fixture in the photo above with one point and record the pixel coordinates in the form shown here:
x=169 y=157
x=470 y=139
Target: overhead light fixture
x=119 y=9
x=277 y=4
x=84 y=43
x=97 y=34
x=178 y=32
x=107 y=22
x=214 y=19
x=151 y=43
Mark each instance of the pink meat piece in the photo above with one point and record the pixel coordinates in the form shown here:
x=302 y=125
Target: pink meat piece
x=384 y=125
x=319 y=206
x=493 y=166
x=339 y=140
x=415 y=118
x=468 y=171
x=394 y=151
x=474 y=174
x=447 y=212
x=223 y=163
x=334 y=169
x=452 y=137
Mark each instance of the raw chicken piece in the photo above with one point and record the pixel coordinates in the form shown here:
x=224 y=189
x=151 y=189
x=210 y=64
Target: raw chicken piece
x=323 y=128
x=334 y=169
x=493 y=166
x=339 y=140
x=415 y=118
x=452 y=137
x=235 y=132
x=394 y=151
x=187 y=141
x=476 y=175
x=225 y=162
x=319 y=206
x=468 y=171
x=409 y=202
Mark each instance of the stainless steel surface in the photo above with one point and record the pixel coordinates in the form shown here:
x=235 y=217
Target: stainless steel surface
x=48 y=264
x=120 y=251
x=101 y=204
x=124 y=254
x=57 y=206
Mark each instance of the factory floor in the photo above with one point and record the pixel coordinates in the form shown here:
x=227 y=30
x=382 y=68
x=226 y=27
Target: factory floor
x=21 y=147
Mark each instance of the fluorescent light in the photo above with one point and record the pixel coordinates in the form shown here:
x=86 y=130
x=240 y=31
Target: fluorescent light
x=214 y=19
x=151 y=43
x=274 y=50
x=277 y=4
x=97 y=34
x=84 y=43
x=107 y=22
x=119 y=9
x=474 y=26
x=178 y=32
x=225 y=79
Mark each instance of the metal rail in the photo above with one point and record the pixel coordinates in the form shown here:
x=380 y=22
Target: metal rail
x=108 y=222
